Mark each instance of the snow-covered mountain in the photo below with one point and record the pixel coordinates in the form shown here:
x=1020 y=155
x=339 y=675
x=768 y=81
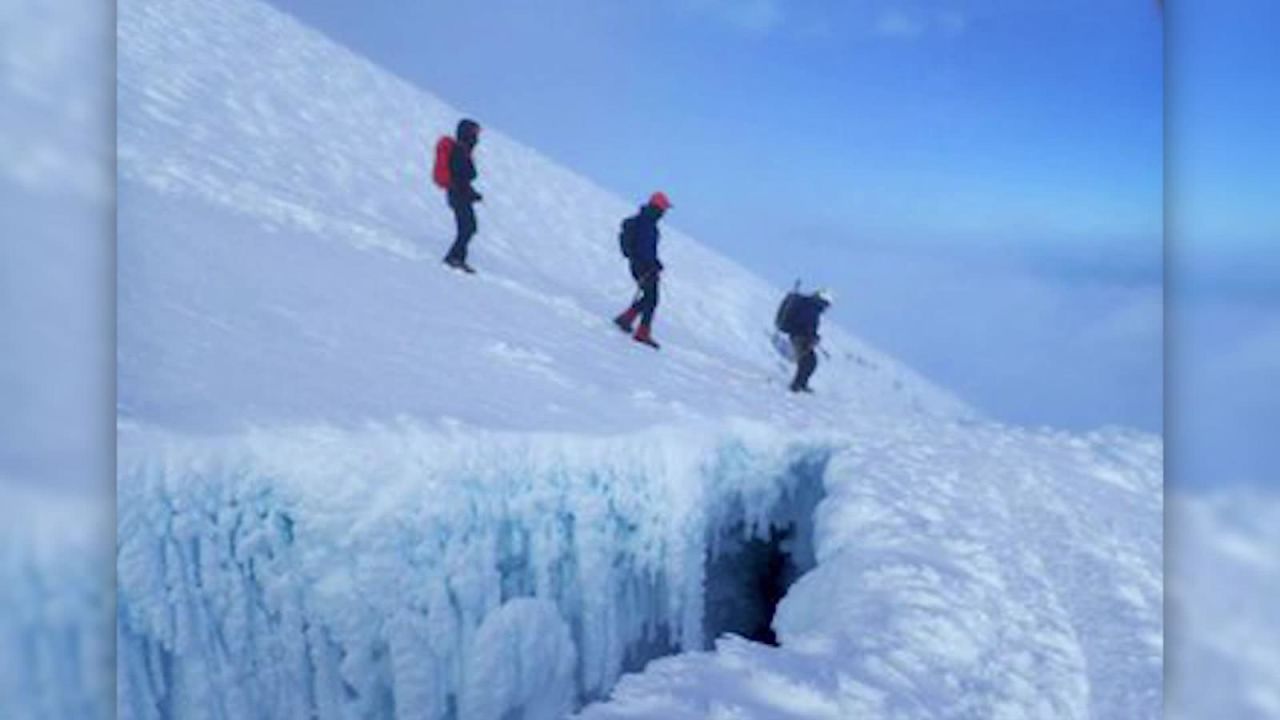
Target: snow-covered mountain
x=353 y=483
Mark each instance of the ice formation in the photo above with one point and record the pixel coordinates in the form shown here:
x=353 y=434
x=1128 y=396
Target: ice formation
x=395 y=570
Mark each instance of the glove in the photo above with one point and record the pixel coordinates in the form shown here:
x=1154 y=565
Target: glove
x=477 y=196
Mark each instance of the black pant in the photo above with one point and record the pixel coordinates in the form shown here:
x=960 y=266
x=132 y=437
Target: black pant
x=464 y=216
x=806 y=359
x=647 y=279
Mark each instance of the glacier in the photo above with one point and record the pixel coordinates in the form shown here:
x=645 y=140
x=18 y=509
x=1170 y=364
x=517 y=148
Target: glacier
x=354 y=484
x=376 y=569
x=401 y=572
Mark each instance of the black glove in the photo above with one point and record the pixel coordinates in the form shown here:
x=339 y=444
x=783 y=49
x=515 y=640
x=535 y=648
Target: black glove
x=476 y=196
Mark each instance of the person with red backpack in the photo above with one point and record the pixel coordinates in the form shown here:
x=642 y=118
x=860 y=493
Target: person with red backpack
x=639 y=241
x=454 y=172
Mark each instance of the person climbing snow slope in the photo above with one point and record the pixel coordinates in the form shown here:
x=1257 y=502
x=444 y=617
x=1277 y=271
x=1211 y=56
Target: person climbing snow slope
x=799 y=318
x=455 y=171
x=639 y=240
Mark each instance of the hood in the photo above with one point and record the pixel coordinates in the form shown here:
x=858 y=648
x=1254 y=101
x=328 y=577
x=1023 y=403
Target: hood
x=468 y=132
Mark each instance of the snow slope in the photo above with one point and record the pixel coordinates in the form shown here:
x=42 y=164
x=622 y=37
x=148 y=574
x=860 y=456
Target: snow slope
x=278 y=214
x=355 y=484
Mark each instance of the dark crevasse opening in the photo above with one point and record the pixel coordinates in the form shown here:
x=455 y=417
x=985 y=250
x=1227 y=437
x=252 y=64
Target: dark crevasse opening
x=749 y=570
x=745 y=585
x=749 y=566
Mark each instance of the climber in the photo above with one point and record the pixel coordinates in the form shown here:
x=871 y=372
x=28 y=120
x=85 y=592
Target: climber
x=639 y=241
x=798 y=317
x=454 y=172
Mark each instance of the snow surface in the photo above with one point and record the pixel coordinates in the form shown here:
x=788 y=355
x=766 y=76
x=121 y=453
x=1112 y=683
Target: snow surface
x=353 y=483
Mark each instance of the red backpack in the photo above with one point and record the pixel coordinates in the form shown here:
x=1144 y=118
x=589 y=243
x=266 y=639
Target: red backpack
x=440 y=172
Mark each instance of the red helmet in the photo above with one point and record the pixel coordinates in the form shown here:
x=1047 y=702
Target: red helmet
x=660 y=201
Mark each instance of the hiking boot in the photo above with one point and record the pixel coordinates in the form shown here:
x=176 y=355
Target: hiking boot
x=459 y=264
x=624 y=321
x=801 y=388
x=642 y=336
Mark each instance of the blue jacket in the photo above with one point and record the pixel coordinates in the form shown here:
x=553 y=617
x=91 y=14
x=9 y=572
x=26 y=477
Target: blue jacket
x=643 y=230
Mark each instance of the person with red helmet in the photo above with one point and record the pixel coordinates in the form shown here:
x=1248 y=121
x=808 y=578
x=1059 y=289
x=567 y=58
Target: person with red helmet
x=639 y=240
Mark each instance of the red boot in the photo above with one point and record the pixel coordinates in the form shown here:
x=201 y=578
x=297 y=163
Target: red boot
x=624 y=321
x=642 y=336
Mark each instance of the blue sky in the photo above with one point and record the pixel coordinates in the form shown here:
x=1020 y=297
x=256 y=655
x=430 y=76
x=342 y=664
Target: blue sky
x=1223 y=245
x=980 y=181
x=1223 y=187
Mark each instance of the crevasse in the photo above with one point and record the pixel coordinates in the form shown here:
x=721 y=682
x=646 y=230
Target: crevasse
x=397 y=571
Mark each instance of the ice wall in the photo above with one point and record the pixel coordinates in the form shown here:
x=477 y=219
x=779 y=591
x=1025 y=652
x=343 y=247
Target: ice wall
x=400 y=571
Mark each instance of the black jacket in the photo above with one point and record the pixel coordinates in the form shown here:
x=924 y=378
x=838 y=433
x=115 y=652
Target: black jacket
x=644 y=235
x=805 y=315
x=462 y=170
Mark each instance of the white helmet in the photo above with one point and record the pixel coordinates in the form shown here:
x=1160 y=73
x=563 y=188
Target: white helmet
x=825 y=295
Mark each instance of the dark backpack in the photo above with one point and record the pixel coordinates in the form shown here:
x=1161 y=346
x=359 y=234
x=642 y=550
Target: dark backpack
x=440 y=171
x=785 y=319
x=627 y=238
